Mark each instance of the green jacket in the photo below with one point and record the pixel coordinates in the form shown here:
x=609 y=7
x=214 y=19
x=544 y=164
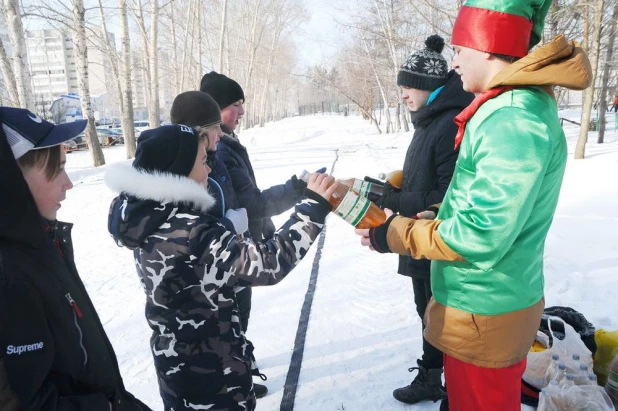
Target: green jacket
x=500 y=204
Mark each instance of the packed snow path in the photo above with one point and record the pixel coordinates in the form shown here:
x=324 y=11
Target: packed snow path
x=363 y=331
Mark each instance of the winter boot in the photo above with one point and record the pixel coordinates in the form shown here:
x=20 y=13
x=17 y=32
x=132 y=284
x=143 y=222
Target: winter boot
x=426 y=386
x=444 y=403
x=260 y=390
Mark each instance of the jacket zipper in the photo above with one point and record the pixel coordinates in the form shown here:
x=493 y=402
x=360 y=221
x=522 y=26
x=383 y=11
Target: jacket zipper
x=78 y=313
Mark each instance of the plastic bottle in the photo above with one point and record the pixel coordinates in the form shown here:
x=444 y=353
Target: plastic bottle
x=568 y=382
x=353 y=207
x=560 y=373
x=551 y=370
x=612 y=382
x=367 y=189
x=581 y=378
x=394 y=178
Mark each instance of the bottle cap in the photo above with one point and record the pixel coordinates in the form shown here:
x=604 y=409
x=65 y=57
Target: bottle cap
x=382 y=176
x=583 y=367
x=576 y=357
x=562 y=366
x=555 y=357
x=570 y=377
x=304 y=175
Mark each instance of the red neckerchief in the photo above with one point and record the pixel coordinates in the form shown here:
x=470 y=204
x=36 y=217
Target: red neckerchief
x=463 y=117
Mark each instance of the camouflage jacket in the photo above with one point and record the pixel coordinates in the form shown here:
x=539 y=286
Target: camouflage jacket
x=189 y=263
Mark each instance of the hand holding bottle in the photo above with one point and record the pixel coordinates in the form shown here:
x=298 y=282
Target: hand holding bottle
x=364 y=233
x=321 y=184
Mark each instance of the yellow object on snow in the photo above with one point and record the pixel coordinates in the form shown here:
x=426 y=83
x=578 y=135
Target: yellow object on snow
x=607 y=349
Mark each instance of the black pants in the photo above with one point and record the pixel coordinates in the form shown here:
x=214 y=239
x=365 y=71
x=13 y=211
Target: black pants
x=244 y=306
x=432 y=357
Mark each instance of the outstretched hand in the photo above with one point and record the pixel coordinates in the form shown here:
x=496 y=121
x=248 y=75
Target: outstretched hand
x=322 y=184
x=364 y=233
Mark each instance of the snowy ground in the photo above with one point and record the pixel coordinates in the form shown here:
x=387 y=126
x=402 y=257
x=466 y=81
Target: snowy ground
x=364 y=332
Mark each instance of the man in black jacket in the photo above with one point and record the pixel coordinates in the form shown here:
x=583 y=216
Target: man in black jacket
x=55 y=351
x=261 y=205
x=434 y=96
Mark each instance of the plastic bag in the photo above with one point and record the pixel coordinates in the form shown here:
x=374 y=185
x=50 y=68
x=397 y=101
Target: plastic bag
x=607 y=349
x=576 y=398
x=538 y=362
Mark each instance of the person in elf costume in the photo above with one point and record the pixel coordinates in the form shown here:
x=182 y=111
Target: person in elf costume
x=487 y=240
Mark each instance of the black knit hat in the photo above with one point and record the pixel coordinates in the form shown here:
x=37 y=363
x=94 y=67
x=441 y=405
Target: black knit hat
x=223 y=89
x=195 y=108
x=426 y=69
x=170 y=149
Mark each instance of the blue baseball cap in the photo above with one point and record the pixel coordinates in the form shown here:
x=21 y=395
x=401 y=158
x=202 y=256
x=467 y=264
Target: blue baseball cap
x=26 y=131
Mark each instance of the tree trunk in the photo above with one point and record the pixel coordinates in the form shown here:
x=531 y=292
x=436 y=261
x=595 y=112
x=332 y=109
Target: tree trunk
x=199 y=44
x=176 y=87
x=188 y=21
x=580 y=148
x=404 y=116
x=605 y=81
x=112 y=55
x=128 y=129
x=81 y=54
x=21 y=68
x=154 y=117
x=8 y=77
x=586 y=30
x=380 y=86
x=222 y=34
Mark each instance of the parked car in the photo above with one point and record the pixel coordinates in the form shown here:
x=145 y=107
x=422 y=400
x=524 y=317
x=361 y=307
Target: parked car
x=108 y=136
x=140 y=126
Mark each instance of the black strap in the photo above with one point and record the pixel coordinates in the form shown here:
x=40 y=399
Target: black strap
x=291 y=380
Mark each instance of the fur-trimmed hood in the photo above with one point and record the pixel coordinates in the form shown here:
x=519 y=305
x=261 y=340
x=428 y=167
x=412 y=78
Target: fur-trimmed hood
x=148 y=200
x=162 y=187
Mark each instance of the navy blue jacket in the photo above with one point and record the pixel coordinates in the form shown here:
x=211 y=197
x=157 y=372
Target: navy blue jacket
x=261 y=205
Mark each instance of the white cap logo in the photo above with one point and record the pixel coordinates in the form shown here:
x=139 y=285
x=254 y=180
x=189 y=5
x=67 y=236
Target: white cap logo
x=186 y=129
x=35 y=118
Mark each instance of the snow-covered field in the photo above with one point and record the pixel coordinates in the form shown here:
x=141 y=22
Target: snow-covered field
x=364 y=331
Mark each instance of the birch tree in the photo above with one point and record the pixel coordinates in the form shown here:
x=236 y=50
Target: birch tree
x=154 y=116
x=21 y=68
x=595 y=46
x=81 y=56
x=128 y=129
x=8 y=78
x=606 y=73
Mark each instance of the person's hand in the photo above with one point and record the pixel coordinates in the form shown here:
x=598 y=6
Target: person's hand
x=321 y=184
x=426 y=215
x=239 y=219
x=364 y=233
x=390 y=198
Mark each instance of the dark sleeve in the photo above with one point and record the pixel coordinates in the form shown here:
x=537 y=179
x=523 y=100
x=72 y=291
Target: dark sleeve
x=8 y=398
x=413 y=202
x=23 y=322
x=228 y=260
x=260 y=204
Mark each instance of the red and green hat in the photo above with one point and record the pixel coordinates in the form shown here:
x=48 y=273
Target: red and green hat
x=508 y=27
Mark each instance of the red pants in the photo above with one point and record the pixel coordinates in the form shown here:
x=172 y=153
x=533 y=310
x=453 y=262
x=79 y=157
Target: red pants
x=473 y=388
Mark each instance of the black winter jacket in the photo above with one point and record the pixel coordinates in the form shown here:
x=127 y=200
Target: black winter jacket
x=261 y=205
x=56 y=353
x=430 y=160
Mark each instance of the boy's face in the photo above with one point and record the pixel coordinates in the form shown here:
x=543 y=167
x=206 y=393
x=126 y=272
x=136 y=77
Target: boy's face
x=232 y=114
x=415 y=99
x=471 y=65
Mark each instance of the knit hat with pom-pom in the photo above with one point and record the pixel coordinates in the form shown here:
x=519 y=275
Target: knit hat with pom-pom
x=426 y=69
